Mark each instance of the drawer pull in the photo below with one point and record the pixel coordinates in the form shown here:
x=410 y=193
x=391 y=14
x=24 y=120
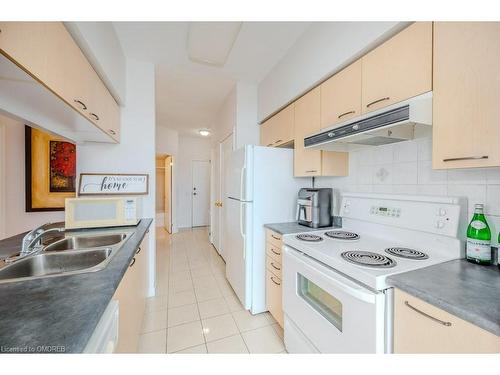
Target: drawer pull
x=276 y=238
x=132 y=263
x=274 y=252
x=311 y=171
x=82 y=104
x=447 y=324
x=377 y=101
x=467 y=158
x=345 y=114
x=270 y=144
x=112 y=132
x=278 y=141
x=138 y=250
x=94 y=116
x=274 y=281
x=275 y=267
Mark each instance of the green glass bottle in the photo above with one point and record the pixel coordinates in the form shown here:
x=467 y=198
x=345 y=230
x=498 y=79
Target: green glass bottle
x=479 y=238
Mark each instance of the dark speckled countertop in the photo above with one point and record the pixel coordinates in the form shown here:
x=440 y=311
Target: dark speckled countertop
x=293 y=227
x=468 y=291
x=64 y=310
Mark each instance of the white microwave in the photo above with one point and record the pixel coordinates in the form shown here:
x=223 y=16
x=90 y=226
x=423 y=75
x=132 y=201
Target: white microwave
x=101 y=212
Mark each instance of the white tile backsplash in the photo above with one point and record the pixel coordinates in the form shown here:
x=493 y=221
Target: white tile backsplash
x=406 y=168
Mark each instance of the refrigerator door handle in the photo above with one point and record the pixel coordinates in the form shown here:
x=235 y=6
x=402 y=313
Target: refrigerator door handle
x=242 y=184
x=243 y=225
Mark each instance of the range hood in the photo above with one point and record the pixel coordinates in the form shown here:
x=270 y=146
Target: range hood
x=396 y=123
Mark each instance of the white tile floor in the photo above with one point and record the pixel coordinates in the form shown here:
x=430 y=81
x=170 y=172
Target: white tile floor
x=195 y=309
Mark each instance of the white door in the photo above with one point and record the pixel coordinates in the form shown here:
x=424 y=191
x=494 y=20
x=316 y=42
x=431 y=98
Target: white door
x=200 y=193
x=168 y=193
x=225 y=149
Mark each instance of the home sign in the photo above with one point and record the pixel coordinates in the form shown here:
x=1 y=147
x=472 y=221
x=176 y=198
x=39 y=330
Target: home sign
x=113 y=184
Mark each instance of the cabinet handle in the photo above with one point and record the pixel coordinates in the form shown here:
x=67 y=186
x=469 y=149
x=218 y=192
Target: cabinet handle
x=82 y=104
x=275 y=267
x=94 y=116
x=377 y=101
x=467 y=158
x=132 y=263
x=276 y=238
x=447 y=324
x=274 y=281
x=278 y=141
x=111 y=131
x=311 y=171
x=274 y=252
x=270 y=144
x=346 y=113
x=138 y=250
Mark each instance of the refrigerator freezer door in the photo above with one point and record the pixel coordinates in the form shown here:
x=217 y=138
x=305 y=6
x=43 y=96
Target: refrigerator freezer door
x=238 y=174
x=237 y=248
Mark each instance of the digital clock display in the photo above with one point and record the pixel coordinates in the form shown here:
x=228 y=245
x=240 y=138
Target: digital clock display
x=383 y=209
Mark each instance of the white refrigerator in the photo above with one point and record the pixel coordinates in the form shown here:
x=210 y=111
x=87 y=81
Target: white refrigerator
x=259 y=189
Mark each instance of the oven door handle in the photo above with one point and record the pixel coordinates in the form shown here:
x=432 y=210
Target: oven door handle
x=346 y=285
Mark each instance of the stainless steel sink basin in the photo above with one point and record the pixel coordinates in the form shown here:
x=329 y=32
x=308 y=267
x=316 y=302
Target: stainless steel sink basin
x=47 y=264
x=86 y=242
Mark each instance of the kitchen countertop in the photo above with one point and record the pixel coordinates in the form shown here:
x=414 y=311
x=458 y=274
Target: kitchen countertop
x=468 y=291
x=60 y=311
x=293 y=227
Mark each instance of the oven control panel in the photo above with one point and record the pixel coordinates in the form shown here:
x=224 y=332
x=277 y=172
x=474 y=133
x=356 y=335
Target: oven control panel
x=385 y=211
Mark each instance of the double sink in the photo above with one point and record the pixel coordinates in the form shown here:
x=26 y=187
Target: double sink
x=75 y=253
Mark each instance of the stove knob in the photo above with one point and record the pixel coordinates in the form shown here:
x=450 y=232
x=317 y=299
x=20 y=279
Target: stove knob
x=441 y=212
x=439 y=224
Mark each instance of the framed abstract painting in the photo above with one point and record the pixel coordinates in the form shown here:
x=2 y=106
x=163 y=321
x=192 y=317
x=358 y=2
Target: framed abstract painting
x=50 y=171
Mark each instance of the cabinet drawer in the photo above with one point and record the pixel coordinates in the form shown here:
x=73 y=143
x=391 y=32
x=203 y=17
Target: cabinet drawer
x=274 y=296
x=274 y=238
x=273 y=266
x=273 y=252
x=420 y=327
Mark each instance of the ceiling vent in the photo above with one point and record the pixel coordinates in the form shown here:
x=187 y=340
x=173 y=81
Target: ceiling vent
x=211 y=42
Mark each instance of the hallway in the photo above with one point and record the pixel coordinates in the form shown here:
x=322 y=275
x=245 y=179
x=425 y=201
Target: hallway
x=195 y=309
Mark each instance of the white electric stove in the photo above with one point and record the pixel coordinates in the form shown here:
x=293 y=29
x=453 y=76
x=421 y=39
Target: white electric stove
x=335 y=295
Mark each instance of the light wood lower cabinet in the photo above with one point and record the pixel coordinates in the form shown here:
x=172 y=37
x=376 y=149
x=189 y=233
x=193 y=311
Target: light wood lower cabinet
x=131 y=297
x=310 y=163
x=273 y=275
x=466 y=128
x=399 y=69
x=423 y=328
x=47 y=52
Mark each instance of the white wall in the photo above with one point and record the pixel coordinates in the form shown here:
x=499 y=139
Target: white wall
x=100 y=44
x=225 y=120
x=322 y=50
x=17 y=220
x=406 y=168
x=190 y=148
x=136 y=151
x=247 y=127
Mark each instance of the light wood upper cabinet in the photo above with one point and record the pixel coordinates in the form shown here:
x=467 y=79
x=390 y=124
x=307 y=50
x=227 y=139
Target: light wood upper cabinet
x=48 y=53
x=466 y=128
x=399 y=69
x=279 y=129
x=309 y=163
x=341 y=96
x=423 y=328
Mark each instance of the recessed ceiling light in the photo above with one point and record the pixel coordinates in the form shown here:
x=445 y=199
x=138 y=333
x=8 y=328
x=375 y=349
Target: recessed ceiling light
x=204 y=132
x=211 y=42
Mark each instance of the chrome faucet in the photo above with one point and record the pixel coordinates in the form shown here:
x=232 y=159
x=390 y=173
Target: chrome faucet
x=32 y=242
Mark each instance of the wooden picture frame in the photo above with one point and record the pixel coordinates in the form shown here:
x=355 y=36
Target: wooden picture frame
x=116 y=182
x=41 y=193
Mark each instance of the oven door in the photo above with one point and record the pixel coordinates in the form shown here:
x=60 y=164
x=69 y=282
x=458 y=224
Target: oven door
x=336 y=314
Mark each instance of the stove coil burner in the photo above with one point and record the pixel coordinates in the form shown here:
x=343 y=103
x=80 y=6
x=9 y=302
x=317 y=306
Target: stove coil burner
x=406 y=253
x=369 y=259
x=309 y=237
x=342 y=235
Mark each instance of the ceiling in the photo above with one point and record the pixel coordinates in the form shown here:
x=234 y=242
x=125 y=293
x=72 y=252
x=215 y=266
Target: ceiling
x=189 y=94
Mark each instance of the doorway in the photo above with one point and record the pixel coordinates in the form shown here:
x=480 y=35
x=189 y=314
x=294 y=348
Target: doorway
x=200 y=193
x=164 y=165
